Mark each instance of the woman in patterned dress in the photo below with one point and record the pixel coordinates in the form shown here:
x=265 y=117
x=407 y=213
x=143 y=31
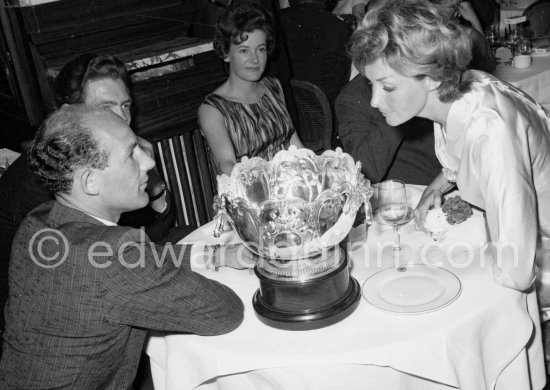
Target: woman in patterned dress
x=246 y=115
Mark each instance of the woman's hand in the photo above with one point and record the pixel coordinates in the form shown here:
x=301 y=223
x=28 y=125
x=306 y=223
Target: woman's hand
x=431 y=197
x=295 y=140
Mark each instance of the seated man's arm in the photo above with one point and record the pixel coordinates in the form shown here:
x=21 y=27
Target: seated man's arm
x=162 y=293
x=157 y=225
x=364 y=133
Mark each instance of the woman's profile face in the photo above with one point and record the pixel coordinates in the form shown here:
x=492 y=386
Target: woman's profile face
x=248 y=59
x=399 y=98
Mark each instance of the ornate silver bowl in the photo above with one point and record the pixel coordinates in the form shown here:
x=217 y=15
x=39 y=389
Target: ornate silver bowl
x=293 y=211
x=296 y=205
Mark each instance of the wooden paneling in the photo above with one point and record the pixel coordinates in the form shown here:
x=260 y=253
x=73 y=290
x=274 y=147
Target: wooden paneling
x=63 y=29
x=88 y=15
x=167 y=105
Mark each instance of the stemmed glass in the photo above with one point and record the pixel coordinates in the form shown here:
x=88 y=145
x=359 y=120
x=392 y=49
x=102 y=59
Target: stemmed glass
x=492 y=38
x=393 y=206
x=523 y=46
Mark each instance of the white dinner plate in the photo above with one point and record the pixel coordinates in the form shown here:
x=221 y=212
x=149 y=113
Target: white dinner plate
x=408 y=218
x=411 y=289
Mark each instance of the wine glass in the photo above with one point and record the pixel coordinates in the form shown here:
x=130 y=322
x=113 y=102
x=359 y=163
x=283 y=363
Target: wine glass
x=523 y=47
x=493 y=38
x=393 y=206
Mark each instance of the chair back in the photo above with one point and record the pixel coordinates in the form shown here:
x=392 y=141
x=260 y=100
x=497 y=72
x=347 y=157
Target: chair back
x=538 y=18
x=184 y=163
x=314 y=115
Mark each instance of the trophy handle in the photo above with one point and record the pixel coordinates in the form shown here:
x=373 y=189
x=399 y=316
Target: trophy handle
x=221 y=215
x=220 y=222
x=368 y=211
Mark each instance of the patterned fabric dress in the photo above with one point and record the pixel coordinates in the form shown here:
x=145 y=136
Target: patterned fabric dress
x=258 y=129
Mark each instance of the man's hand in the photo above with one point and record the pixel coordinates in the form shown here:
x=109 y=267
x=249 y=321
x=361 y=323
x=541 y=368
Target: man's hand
x=234 y=256
x=155 y=184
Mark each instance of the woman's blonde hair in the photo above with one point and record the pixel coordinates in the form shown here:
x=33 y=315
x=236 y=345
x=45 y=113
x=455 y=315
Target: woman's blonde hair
x=416 y=39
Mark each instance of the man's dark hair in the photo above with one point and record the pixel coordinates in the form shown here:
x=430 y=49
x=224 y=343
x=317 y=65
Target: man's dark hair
x=63 y=143
x=73 y=77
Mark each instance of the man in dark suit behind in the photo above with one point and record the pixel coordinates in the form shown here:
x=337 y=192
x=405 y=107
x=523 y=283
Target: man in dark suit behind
x=83 y=290
x=316 y=43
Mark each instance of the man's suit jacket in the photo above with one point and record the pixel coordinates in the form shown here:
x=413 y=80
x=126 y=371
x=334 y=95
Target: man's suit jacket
x=316 y=43
x=403 y=153
x=21 y=191
x=83 y=295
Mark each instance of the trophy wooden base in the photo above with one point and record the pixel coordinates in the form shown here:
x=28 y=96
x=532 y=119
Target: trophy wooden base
x=306 y=305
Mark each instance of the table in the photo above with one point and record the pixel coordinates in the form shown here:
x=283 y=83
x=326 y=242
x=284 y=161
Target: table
x=488 y=338
x=535 y=80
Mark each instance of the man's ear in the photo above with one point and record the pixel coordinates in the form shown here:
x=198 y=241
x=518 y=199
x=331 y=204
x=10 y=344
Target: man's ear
x=88 y=182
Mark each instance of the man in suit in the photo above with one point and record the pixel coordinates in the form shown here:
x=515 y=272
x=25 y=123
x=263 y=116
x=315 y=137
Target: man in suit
x=404 y=153
x=316 y=43
x=98 y=81
x=83 y=290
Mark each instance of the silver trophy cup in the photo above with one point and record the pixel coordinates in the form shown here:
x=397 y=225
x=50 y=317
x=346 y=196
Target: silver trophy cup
x=293 y=212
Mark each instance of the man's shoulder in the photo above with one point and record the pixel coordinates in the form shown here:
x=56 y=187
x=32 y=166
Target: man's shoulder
x=357 y=88
x=74 y=225
x=20 y=171
x=310 y=17
x=335 y=23
x=20 y=188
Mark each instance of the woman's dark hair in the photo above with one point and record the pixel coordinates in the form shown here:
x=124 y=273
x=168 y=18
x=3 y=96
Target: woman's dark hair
x=72 y=78
x=238 y=21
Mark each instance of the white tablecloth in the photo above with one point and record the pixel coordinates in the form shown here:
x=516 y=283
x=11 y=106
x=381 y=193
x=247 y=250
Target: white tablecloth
x=488 y=338
x=535 y=80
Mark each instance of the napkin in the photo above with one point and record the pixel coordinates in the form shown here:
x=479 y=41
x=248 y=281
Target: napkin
x=467 y=236
x=205 y=235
